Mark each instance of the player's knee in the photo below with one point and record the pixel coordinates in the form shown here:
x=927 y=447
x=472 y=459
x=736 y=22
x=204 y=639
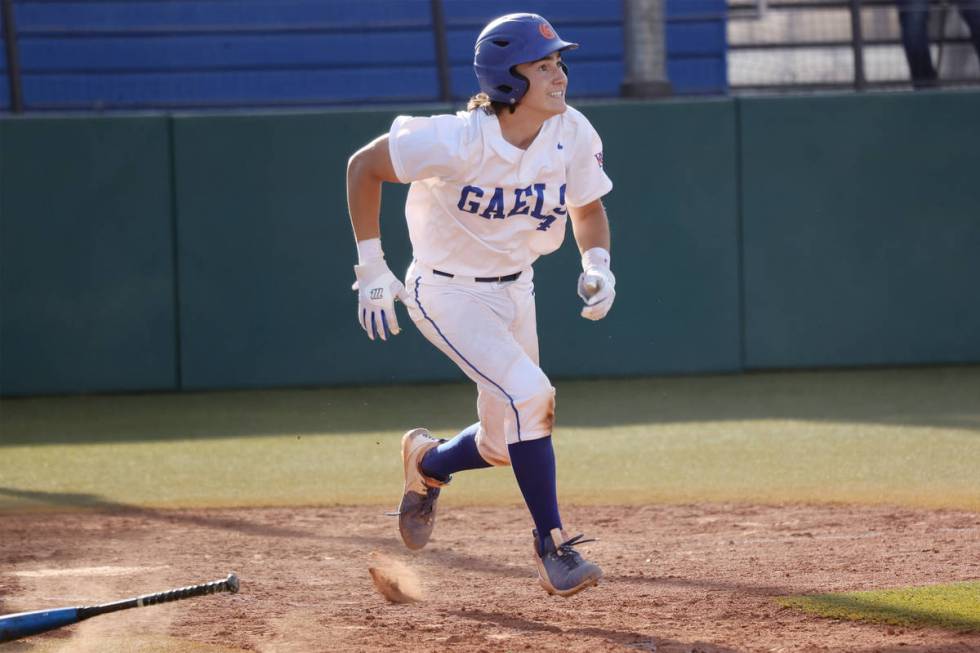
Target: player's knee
x=537 y=413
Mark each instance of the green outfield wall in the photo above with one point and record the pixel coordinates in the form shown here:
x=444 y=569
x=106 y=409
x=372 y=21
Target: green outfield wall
x=214 y=251
x=674 y=220
x=86 y=256
x=861 y=229
x=265 y=253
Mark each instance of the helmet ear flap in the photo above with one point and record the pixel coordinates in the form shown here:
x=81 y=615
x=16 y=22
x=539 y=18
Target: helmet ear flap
x=522 y=78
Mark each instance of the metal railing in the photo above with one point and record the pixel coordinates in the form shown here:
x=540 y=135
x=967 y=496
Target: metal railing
x=794 y=45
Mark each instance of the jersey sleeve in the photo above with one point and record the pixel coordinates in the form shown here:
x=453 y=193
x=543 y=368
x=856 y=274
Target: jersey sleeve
x=421 y=148
x=587 y=180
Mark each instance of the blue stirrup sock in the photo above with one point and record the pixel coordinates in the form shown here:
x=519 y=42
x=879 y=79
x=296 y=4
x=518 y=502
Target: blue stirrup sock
x=453 y=456
x=534 y=466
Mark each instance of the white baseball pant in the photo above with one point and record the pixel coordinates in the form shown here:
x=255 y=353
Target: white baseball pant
x=489 y=329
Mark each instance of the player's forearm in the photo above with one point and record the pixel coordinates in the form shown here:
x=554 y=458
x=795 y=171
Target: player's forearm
x=590 y=226
x=366 y=170
x=363 y=199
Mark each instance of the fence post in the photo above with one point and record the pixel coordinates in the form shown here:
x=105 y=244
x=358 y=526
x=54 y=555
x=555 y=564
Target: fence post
x=13 y=61
x=646 y=61
x=442 y=51
x=857 y=43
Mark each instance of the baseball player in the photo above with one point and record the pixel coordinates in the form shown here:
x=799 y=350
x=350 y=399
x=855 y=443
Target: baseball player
x=491 y=190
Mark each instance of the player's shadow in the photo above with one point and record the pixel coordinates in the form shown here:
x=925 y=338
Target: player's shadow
x=435 y=553
x=630 y=639
x=94 y=502
x=742 y=589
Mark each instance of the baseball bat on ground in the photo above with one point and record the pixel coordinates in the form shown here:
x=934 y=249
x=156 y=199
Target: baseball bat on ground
x=22 y=624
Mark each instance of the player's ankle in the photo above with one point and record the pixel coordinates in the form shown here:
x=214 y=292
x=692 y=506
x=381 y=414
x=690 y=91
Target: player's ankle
x=428 y=472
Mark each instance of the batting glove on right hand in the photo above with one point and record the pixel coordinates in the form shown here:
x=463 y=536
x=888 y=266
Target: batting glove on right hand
x=596 y=284
x=377 y=289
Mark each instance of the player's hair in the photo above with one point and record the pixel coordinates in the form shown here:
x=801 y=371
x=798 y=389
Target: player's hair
x=490 y=107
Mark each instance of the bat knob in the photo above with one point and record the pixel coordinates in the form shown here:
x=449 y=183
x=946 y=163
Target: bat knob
x=232 y=583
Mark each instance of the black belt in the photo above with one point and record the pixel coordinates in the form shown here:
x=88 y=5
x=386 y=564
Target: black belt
x=506 y=277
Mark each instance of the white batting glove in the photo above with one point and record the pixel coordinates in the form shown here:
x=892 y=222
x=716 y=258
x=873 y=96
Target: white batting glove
x=377 y=289
x=596 y=284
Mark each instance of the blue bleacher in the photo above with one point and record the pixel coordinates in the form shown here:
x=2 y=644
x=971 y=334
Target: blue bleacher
x=4 y=82
x=216 y=52
x=696 y=46
x=181 y=16
x=148 y=54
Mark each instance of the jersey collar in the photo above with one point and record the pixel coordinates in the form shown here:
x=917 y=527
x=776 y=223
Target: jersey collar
x=506 y=150
x=497 y=141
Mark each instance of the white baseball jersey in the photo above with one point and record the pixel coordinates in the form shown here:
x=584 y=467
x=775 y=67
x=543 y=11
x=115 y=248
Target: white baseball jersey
x=481 y=207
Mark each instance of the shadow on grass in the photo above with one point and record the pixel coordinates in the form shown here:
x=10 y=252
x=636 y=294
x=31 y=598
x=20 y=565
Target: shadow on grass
x=942 y=397
x=82 y=501
x=856 y=608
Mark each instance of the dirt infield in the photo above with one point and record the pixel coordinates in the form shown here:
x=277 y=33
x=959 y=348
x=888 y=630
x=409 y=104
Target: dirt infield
x=678 y=578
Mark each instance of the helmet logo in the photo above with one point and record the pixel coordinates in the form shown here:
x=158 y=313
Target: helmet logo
x=546 y=31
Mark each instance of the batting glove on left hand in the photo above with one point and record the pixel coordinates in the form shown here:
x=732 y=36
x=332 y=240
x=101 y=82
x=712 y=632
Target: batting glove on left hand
x=596 y=284
x=377 y=289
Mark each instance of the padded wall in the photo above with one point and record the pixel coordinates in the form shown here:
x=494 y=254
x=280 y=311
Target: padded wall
x=86 y=256
x=747 y=234
x=673 y=215
x=862 y=229
x=266 y=251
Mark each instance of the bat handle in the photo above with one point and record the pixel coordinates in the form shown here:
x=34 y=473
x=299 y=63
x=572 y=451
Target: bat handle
x=229 y=584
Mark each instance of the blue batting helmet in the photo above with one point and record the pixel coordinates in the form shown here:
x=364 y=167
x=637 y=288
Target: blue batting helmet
x=506 y=42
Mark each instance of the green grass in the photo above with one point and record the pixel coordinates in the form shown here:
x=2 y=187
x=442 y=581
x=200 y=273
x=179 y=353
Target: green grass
x=954 y=606
x=905 y=437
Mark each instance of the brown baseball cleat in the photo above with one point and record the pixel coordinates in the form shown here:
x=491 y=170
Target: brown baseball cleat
x=417 y=512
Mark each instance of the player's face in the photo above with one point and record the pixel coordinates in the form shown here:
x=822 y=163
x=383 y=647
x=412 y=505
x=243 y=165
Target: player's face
x=548 y=82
